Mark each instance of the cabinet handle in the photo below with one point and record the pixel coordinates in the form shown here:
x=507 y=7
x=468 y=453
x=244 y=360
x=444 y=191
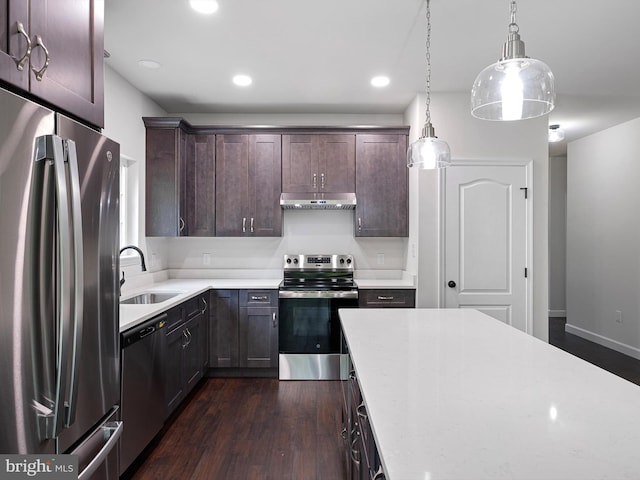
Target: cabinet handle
x=259 y=298
x=359 y=224
x=322 y=181
x=274 y=320
x=379 y=475
x=181 y=224
x=40 y=73
x=20 y=62
x=244 y=224
x=188 y=337
x=251 y=225
x=355 y=453
x=185 y=342
x=206 y=305
x=315 y=180
x=382 y=297
x=362 y=412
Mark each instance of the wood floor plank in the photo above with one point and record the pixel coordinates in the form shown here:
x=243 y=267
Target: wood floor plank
x=246 y=429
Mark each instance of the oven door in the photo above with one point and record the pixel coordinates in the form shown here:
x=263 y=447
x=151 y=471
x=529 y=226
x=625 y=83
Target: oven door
x=309 y=335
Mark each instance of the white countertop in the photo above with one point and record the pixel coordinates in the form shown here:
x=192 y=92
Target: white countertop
x=384 y=283
x=132 y=315
x=455 y=394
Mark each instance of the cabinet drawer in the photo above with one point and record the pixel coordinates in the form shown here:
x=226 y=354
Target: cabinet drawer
x=390 y=298
x=258 y=298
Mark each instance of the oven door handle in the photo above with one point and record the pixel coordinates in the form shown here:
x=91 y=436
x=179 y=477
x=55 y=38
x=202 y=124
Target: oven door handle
x=349 y=294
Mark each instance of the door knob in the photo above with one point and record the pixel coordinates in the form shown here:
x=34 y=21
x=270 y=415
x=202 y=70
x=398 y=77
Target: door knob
x=451 y=284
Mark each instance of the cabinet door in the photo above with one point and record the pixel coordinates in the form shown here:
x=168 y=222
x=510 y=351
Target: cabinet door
x=13 y=45
x=336 y=163
x=265 y=180
x=232 y=184
x=381 y=186
x=318 y=163
x=223 y=329
x=72 y=32
x=200 y=185
x=165 y=178
x=299 y=163
x=258 y=337
x=174 y=363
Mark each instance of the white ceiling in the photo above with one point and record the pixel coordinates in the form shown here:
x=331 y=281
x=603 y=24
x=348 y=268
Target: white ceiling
x=318 y=57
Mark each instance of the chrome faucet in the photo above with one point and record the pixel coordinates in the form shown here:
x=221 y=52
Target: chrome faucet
x=143 y=265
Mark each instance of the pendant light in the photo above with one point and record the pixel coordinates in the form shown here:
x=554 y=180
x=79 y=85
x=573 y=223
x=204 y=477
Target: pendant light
x=428 y=152
x=516 y=87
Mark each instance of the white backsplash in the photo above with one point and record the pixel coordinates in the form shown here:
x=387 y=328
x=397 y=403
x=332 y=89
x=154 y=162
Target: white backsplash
x=308 y=231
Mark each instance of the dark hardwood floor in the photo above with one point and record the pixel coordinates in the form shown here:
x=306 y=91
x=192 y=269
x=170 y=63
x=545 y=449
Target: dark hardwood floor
x=615 y=362
x=243 y=429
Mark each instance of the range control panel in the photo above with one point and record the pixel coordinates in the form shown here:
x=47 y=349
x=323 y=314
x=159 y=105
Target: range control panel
x=318 y=262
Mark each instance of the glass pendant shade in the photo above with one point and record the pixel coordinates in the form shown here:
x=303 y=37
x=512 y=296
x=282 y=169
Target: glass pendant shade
x=516 y=87
x=513 y=89
x=428 y=153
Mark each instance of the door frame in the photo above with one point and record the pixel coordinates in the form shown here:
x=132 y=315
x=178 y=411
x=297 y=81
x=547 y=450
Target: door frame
x=528 y=165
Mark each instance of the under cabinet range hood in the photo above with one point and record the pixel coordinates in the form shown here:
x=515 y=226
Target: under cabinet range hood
x=318 y=201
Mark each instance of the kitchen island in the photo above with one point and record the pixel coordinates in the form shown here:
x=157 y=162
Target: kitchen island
x=456 y=394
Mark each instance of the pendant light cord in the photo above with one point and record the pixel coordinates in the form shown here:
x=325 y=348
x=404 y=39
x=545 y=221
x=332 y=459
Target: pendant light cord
x=428 y=55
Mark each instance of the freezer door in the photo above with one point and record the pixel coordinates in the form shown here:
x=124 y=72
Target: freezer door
x=98 y=368
x=27 y=353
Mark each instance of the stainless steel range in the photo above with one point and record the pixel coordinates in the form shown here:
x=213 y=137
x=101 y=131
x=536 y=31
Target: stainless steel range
x=313 y=289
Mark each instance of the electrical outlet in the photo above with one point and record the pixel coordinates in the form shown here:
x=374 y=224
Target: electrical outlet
x=206 y=259
x=380 y=259
x=619 y=316
x=154 y=259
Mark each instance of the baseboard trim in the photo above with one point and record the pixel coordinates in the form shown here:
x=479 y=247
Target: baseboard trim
x=604 y=341
x=557 y=313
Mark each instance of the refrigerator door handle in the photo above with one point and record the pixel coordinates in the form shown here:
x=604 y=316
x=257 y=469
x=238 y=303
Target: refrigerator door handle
x=71 y=158
x=55 y=152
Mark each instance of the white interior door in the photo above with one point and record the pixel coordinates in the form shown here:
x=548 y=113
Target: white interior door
x=486 y=241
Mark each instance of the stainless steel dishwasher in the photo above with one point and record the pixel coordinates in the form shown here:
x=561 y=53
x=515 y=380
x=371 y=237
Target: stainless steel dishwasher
x=142 y=387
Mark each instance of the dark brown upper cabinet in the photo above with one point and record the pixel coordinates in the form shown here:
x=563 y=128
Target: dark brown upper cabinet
x=382 y=186
x=180 y=180
x=248 y=185
x=54 y=50
x=318 y=163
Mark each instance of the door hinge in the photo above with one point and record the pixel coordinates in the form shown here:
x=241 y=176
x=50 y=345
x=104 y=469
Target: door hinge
x=526 y=272
x=526 y=191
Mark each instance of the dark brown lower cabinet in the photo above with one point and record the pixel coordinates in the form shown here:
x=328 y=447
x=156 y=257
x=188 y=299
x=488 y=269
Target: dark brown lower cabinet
x=243 y=332
x=364 y=460
x=185 y=349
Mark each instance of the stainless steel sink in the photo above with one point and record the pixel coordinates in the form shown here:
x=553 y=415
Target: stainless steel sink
x=146 y=298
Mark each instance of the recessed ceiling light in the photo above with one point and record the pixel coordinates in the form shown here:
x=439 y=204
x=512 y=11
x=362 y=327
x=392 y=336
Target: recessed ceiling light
x=149 y=64
x=556 y=134
x=206 y=7
x=380 y=81
x=242 y=80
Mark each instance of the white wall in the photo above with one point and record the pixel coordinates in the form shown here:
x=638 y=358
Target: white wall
x=603 y=237
x=309 y=231
x=557 y=235
x=472 y=139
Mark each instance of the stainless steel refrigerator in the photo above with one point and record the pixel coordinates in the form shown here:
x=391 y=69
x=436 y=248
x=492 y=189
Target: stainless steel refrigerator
x=59 y=341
